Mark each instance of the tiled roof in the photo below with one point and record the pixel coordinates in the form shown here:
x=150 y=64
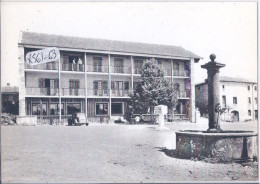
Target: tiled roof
x=235 y=79
x=230 y=79
x=51 y=40
x=10 y=89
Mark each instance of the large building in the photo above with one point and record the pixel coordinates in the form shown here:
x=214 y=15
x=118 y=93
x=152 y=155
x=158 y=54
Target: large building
x=237 y=95
x=95 y=76
x=10 y=96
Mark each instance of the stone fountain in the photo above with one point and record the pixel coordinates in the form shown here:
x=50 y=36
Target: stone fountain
x=215 y=143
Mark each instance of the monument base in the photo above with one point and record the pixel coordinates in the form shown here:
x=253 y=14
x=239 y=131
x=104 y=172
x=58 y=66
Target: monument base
x=227 y=146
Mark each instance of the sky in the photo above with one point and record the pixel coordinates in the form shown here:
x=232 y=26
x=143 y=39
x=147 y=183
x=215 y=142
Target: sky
x=227 y=29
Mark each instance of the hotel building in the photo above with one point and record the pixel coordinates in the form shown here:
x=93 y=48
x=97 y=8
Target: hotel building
x=95 y=76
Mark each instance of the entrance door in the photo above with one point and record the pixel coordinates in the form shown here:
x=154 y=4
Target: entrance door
x=235 y=116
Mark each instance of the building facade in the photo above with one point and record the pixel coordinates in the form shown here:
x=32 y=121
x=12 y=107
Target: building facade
x=238 y=96
x=95 y=76
x=10 y=96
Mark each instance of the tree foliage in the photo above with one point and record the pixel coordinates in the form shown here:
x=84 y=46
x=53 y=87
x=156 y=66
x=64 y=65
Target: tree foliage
x=151 y=90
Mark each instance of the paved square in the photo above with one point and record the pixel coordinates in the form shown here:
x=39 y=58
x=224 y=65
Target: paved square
x=107 y=153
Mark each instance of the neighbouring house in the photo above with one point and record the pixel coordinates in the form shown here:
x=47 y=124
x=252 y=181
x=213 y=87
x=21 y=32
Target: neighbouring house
x=237 y=95
x=10 y=99
x=96 y=75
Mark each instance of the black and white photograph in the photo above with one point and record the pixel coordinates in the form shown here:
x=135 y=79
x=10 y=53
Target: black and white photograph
x=129 y=92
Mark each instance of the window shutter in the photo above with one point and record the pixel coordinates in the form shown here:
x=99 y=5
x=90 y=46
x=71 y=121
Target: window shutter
x=41 y=83
x=126 y=85
x=95 y=85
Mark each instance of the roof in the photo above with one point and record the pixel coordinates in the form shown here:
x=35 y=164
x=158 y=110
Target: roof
x=235 y=79
x=229 y=79
x=52 y=40
x=10 y=89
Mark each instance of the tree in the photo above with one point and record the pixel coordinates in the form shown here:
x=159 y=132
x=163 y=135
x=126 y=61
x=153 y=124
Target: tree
x=152 y=89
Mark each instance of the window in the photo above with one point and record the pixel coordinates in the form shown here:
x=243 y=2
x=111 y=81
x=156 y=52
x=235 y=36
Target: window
x=223 y=87
x=117 y=108
x=100 y=88
x=249 y=100
x=54 y=109
x=249 y=112
x=248 y=88
x=234 y=100
x=118 y=65
x=255 y=100
x=74 y=87
x=101 y=109
x=97 y=63
x=176 y=87
x=255 y=88
x=138 y=64
x=36 y=109
x=126 y=85
x=224 y=101
x=73 y=108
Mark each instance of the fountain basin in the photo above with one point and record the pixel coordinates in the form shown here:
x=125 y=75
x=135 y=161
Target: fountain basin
x=227 y=146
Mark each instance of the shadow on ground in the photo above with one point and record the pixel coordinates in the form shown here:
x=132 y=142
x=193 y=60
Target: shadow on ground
x=172 y=153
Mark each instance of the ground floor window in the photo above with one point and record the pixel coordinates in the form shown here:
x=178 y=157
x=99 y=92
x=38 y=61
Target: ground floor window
x=117 y=108
x=54 y=109
x=73 y=108
x=39 y=109
x=101 y=108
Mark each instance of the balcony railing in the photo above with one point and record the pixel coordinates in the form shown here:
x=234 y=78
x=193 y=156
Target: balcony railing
x=42 y=91
x=137 y=70
x=55 y=92
x=120 y=93
x=73 y=92
x=73 y=67
x=46 y=66
x=183 y=73
x=184 y=94
x=97 y=68
x=119 y=69
x=98 y=92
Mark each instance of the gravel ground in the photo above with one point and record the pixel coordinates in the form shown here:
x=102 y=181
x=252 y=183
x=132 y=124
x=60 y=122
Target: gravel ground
x=107 y=153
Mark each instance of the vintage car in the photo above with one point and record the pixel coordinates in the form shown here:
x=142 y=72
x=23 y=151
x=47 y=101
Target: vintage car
x=77 y=119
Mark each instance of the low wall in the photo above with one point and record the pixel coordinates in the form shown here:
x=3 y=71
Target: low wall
x=26 y=120
x=222 y=147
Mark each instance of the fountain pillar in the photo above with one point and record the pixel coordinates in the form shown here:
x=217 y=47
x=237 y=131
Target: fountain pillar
x=213 y=92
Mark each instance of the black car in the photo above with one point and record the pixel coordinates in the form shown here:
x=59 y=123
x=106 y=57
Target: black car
x=77 y=119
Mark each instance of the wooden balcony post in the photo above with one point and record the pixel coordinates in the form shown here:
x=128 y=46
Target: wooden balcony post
x=86 y=85
x=59 y=93
x=109 y=85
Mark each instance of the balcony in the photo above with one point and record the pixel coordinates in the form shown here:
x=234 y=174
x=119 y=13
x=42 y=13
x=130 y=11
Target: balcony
x=120 y=69
x=182 y=73
x=42 y=91
x=184 y=94
x=46 y=66
x=73 y=67
x=98 y=92
x=54 y=92
x=97 y=68
x=119 y=93
x=73 y=92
